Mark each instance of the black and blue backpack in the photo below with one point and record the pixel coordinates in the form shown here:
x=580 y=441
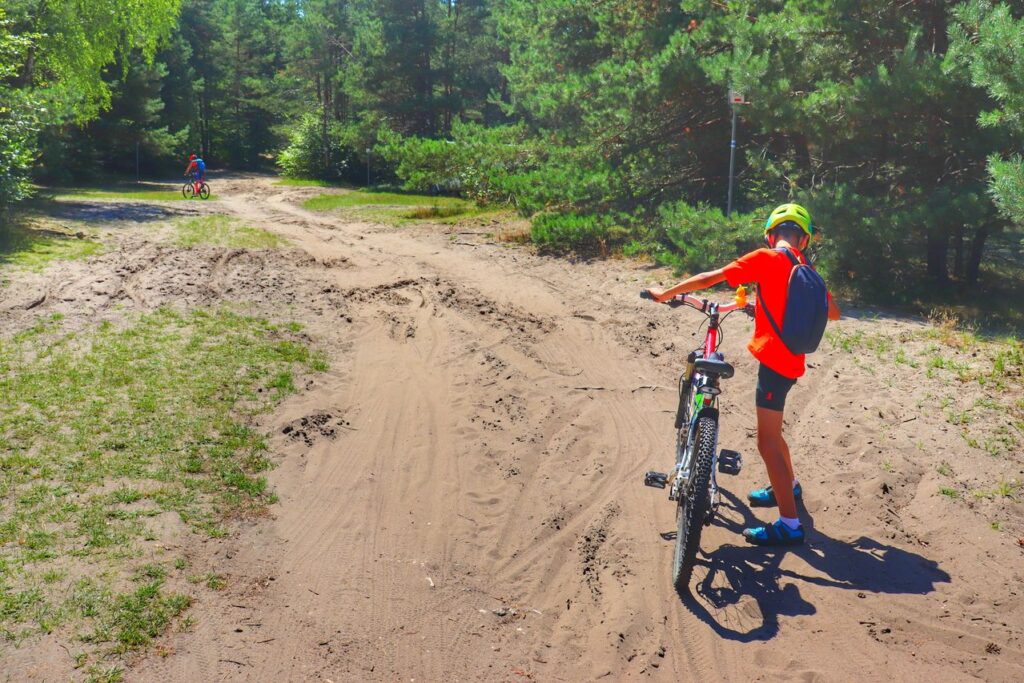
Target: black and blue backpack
x=806 y=313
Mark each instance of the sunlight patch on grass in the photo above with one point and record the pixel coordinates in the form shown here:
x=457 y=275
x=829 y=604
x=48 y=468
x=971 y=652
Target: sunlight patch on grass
x=116 y=446
x=398 y=209
x=224 y=231
x=147 y=195
x=33 y=249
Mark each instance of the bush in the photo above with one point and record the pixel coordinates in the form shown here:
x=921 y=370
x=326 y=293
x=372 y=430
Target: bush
x=316 y=153
x=581 y=233
x=701 y=237
x=503 y=164
x=422 y=164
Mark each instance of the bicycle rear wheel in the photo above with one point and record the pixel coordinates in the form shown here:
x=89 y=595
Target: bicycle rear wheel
x=694 y=504
x=204 y=191
x=187 y=191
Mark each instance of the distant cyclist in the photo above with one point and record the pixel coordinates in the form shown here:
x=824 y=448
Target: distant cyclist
x=197 y=168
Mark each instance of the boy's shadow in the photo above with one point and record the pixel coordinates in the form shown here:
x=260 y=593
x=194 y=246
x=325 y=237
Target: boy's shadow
x=753 y=573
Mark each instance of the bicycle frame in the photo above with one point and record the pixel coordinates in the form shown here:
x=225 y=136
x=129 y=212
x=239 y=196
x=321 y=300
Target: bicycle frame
x=704 y=390
x=699 y=392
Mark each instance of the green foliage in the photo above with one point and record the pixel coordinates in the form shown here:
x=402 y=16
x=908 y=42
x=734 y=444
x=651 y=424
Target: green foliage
x=581 y=233
x=480 y=163
x=316 y=152
x=988 y=43
x=701 y=237
x=18 y=122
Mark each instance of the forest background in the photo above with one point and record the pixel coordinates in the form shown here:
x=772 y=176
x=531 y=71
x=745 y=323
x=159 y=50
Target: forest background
x=606 y=123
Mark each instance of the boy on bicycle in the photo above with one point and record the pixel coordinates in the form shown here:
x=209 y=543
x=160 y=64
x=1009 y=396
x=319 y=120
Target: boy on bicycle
x=197 y=168
x=787 y=233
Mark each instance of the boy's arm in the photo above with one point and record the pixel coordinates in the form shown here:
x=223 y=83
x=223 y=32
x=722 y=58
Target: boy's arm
x=833 y=309
x=691 y=284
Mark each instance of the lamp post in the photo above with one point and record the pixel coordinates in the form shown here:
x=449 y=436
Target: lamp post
x=735 y=98
x=368 y=149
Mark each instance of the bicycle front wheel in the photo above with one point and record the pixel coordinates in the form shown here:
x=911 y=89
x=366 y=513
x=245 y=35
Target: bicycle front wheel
x=187 y=191
x=204 y=191
x=694 y=504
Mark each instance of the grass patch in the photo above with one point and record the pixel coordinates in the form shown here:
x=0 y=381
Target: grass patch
x=33 y=246
x=988 y=368
x=174 y=195
x=112 y=438
x=396 y=208
x=307 y=182
x=948 y=492
x=360 y=198
x=399 y=209
x=224 y=231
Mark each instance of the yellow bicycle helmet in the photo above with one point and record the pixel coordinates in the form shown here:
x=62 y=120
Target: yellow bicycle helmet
x=790 y=212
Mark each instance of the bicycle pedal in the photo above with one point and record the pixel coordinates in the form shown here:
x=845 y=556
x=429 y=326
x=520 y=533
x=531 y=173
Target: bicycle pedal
x=730 y=462
x=658 y=480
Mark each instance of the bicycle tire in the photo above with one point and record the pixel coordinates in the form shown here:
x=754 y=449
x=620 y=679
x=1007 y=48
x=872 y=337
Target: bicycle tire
x=693 y=505
x=187 y=191
x=204 y=191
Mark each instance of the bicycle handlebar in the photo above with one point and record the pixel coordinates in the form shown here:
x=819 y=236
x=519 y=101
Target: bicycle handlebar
x=701 y=304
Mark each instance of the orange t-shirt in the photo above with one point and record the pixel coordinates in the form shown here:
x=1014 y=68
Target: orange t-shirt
x=770 y=270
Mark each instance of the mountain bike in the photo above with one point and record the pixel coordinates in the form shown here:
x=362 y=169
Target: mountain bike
x=192 y=189
x=692 y=484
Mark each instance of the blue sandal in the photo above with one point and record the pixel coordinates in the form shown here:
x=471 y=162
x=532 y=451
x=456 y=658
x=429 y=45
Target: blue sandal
x=765 y=498
x=774 y=534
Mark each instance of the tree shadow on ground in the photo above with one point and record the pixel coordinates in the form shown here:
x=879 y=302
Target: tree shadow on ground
x=753 y=574
x=104 y=212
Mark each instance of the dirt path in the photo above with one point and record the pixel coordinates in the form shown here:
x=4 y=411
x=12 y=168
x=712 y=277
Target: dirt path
x=461 y=499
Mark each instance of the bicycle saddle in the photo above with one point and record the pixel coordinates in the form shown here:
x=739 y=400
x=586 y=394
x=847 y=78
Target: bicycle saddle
x=714 y=366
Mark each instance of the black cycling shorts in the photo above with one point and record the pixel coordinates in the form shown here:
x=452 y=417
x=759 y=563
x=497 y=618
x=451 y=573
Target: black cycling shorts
x=772 y=389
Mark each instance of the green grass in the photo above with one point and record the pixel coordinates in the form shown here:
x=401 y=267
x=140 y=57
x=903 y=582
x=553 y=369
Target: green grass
x=399 y=209
x=105 y=433
x=224 y=231
x=988 y=368
x=362 y=198
x=306 y=182
x=948 y=492
x=174 y=195
x=31 y=248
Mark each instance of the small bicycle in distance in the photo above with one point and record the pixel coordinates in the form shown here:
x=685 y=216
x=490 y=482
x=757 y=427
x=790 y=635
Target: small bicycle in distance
x=691 y=483
x=195 y=188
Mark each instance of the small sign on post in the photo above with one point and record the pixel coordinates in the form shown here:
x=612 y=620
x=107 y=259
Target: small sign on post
x=735 y=98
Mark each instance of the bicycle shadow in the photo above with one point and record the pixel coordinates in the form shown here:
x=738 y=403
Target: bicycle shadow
x=748 y=577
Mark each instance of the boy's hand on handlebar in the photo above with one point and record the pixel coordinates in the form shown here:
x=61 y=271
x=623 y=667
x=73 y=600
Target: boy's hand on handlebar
x=657 y=294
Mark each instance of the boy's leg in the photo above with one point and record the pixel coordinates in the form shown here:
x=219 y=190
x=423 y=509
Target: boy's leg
x=775 y=453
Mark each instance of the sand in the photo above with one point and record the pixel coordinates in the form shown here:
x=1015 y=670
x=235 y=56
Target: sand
x=461 y=493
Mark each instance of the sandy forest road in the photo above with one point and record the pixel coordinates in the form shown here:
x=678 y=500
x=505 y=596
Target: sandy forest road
x=460 y=494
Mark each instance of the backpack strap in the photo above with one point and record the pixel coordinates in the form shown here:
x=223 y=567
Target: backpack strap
x=792 y=257
x=768 y=314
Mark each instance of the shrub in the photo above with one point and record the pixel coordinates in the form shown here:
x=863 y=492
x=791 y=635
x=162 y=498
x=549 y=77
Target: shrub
x=316 y=153
x=701 y=237
x=581 y=233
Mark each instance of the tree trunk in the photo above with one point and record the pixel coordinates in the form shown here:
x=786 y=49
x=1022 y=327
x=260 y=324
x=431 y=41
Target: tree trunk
x=977 y=247
x=938 y=254
x=958 y=251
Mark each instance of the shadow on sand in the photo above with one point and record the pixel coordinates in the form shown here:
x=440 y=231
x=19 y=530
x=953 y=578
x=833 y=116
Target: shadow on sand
x=754 y=573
